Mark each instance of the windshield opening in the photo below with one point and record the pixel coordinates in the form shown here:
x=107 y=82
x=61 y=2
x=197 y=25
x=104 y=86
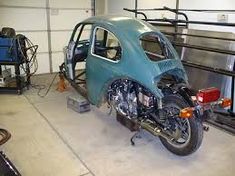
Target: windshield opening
x=155 y=48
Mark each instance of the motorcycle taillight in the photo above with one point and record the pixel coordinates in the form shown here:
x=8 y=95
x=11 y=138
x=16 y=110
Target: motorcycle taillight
x=208 y=95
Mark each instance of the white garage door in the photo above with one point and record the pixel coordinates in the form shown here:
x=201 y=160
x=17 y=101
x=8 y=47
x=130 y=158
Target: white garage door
x=48 y=23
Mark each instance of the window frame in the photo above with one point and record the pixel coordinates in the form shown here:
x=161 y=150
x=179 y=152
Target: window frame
x=160 y=44
x=75 y=38
x=93 y=45
x=75 y=30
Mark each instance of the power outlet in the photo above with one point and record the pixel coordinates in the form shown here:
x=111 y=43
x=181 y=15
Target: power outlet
x=222 y=17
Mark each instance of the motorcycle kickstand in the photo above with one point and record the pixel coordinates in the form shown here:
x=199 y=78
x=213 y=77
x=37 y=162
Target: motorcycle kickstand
x=110 y=109
x=135 y=136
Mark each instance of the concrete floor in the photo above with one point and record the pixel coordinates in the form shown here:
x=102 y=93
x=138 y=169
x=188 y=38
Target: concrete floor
x=50 y=140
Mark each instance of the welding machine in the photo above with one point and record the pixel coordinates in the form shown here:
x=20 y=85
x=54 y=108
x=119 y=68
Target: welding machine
x=12 y=47
x=18 y=51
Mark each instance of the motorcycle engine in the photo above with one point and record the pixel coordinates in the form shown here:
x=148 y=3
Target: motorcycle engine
x=145 y=98
x=123 y=98
x=127 y=98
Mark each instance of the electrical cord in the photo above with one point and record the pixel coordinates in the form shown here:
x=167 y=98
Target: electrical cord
x=42 y=87
x=29 y=46
x=29 y=51
x=4 y=136
x=33 y=63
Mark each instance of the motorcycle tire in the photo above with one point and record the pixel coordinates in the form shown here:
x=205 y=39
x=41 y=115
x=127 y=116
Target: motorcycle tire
x=194 y=128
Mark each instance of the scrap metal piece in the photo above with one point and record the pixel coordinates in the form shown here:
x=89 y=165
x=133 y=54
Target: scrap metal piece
x=6 y=166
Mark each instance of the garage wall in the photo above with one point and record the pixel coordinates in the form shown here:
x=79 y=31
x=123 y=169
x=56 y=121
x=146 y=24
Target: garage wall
x=48 y=23
x=116 y=7
x=207 y=4
x=100 y=7
x=157 y=4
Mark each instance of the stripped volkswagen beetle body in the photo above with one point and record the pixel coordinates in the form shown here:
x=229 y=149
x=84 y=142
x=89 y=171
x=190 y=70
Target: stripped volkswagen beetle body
x=134 y=64
x=133 y=67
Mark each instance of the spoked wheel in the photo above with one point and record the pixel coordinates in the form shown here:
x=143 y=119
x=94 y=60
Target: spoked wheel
x=187 y=133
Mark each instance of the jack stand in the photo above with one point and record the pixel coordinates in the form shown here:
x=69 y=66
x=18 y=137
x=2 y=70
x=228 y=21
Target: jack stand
x=135 y=136
x=61 y=85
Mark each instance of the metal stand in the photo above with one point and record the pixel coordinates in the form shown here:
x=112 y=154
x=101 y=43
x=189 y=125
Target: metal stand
x=20 y=83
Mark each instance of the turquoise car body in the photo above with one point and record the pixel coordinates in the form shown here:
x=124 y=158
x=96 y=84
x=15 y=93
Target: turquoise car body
x=134 y=63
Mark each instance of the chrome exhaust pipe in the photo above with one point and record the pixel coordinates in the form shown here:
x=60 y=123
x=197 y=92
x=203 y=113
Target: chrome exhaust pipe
x=155 y=130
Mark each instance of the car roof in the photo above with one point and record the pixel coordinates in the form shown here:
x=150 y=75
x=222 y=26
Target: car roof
x=124 y=23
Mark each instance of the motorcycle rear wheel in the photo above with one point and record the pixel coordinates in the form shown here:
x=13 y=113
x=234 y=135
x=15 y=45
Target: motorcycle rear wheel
x=190 y=130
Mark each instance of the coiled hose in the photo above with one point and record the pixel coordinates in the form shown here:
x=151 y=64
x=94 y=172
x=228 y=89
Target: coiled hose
x=4 y=136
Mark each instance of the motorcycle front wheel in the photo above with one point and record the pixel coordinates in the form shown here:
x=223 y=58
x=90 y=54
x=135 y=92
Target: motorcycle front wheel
x=188 y=132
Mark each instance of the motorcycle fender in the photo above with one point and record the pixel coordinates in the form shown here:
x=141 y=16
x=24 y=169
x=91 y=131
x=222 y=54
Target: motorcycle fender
x=186 y=93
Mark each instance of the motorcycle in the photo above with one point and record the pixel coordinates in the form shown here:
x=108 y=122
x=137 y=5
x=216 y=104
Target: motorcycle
x=134 y=68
